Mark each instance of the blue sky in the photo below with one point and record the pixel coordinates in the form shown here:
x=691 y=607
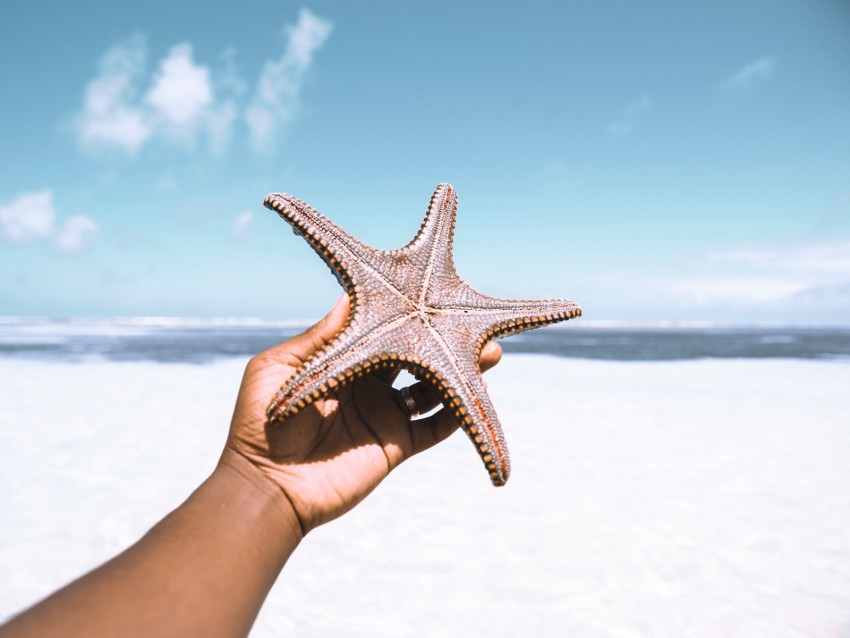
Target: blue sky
x=654 y=161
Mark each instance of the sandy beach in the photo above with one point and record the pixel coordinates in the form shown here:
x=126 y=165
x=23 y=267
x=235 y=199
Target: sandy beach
x=695 y=498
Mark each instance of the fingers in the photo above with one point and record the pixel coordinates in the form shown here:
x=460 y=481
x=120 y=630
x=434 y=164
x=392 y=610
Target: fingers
x=432 y=430
x=416 y=399
x=423 y=397
x=490 y=355
x=318 y=335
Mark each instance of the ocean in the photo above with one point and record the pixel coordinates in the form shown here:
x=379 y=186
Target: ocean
x=202 y=341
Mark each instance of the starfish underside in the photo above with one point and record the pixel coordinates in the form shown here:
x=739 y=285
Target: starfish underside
x=410 y=309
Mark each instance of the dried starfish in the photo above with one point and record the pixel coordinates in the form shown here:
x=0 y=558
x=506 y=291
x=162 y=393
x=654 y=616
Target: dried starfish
x=410 y=309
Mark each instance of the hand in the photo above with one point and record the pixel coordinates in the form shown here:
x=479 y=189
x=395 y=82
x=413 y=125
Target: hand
x=328 y=457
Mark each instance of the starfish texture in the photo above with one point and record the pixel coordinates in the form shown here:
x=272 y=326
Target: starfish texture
x=410 y=309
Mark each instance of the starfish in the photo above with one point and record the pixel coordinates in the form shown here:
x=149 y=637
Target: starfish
x=410 y=309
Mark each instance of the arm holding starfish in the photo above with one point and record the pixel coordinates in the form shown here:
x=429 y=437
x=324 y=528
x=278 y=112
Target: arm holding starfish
x=206 y=568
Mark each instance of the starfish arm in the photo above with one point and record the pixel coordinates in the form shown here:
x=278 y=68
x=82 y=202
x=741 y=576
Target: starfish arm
x=464 y=329
x=463 y=392
x=430 y=250
x=347 y=356
x=310 y=223
x=444 y=357
x=366 y=274
x=493 y=318
x=527 y=316
x=457 y=379
x=345 y=256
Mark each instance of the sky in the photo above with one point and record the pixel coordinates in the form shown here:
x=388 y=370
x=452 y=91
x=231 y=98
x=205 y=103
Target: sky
x=655 y=161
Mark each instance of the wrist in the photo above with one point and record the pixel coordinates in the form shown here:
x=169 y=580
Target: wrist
x=262 y=500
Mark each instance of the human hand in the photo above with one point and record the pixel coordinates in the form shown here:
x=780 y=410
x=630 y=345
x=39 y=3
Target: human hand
x=328 y=457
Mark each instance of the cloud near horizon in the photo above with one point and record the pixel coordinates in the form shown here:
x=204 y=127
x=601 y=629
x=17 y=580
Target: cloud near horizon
x=770 y=275
x=32 y=217
x=184 y=101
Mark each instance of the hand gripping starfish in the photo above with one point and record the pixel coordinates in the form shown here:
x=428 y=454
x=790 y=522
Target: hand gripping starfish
x=410 y=309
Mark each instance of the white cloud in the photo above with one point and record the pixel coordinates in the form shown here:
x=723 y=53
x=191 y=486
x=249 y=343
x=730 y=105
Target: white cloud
x=243 y=223
x=178 y=104
x=802 y=282
x=750 y=75
x=27 y=217
x=754 y=276
x=731 y=289
x=837 y=296
x=109 y=116
x=822 y=258
x=181 y=92
x=76 y=234
x=183 y=101
x=631 y=114
x=32 y=216
x=276 y=98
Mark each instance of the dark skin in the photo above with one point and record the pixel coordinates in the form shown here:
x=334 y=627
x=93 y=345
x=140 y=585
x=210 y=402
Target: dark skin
x=206 y=568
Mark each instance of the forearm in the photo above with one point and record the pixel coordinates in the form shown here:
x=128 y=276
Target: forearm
x=205 y=569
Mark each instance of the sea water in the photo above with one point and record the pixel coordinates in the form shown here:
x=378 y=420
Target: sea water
x=200 y=341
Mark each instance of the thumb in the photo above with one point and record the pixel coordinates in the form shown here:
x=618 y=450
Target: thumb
x=304 y=345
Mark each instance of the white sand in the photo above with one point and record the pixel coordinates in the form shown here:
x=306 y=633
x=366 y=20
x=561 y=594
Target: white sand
x=701 y=498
